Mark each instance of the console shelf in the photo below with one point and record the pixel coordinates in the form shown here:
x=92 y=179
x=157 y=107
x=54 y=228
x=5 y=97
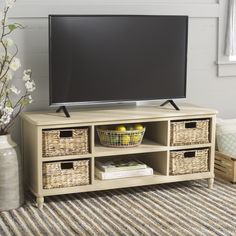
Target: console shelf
x=64 y=158
x=146 y=147
x=155 y=150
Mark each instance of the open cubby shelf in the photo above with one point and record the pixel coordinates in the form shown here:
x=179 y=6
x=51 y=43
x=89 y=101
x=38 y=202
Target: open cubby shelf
x=154 y=150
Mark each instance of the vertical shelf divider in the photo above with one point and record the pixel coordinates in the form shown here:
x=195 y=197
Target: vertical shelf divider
x=92 y=139
x=168 y=133
x=212 y=141
x=40 y=160
x=168 y=145
x=168 y=163
x=92 y=144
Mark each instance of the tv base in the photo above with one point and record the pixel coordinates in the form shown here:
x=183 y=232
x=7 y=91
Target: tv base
x=63 y=108
x=172 y=103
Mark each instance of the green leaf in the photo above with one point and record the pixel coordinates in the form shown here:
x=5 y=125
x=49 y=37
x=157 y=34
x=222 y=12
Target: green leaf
x=12 y=27
x=9 y=104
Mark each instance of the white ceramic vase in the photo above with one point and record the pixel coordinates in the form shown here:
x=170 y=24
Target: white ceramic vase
x=11 y=179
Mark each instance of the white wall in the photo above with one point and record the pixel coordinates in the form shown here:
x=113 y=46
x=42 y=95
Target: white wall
x=203 y=88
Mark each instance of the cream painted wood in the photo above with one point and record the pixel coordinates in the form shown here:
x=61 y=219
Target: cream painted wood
x=92 y=138
x=39 y=160
x=191 y=146
x=31 y=157
x=65 y=158
x=92 y=171
x=158 y=132
x=212 y=139
x=146 y=146
x=168 y=164
x=158 y=161
x=234 y=175
x=157 y=178
x=40 y=201
x=210 y=183
x=119 y=115
x=154 y=150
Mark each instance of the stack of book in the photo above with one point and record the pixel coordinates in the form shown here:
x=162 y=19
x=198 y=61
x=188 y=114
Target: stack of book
x=121 y=168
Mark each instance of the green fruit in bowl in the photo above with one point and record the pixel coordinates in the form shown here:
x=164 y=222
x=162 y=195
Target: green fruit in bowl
x=114 y=139
x=130 y=128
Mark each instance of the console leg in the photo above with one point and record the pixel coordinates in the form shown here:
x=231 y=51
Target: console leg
x=40 y=201
x=210 y=183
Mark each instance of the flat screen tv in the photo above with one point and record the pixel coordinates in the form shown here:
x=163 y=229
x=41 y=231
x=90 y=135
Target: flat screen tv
x=116 y=58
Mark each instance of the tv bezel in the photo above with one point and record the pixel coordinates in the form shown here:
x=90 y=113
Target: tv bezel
x=119 y=101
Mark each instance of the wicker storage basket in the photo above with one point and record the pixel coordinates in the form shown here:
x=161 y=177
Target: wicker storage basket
x=60 y=142
x=189 y=132
x=113 y=138
x=65 y=174
x=188 y=161
x=225 y=166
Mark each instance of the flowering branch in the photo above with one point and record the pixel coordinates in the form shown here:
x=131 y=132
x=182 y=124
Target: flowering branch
x=12 y=100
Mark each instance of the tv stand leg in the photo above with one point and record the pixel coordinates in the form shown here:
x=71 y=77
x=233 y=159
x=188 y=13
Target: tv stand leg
x=63 y=108
x=172 y=103
x=210 y=183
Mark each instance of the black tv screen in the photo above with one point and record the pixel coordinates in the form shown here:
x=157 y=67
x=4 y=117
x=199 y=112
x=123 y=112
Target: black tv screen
x=114 y=58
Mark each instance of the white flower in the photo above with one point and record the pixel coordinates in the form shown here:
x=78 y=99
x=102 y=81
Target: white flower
x=8 y=110
x=10 y=3
x=8 y=42
x=15 y=90
x=30 y=99
x=30 y=86
x=27 y=72
x=15 y=64
x=6 y=117
x=26 y=77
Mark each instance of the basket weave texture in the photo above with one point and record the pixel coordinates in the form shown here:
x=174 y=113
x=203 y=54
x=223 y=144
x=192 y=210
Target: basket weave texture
x=57 y=176
x=188 y=161
x=61 y=142
x=189 y=132
x=120 y=139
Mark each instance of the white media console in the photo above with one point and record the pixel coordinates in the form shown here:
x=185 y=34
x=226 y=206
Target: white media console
x=155 y=149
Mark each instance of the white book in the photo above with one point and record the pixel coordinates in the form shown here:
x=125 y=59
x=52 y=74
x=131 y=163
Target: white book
x=123 y=174
x=120 y=165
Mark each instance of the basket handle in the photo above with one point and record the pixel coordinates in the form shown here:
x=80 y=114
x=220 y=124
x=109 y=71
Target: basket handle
x=190 y=125
x=66 y=134
x=67 y=165
x=189 y=154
